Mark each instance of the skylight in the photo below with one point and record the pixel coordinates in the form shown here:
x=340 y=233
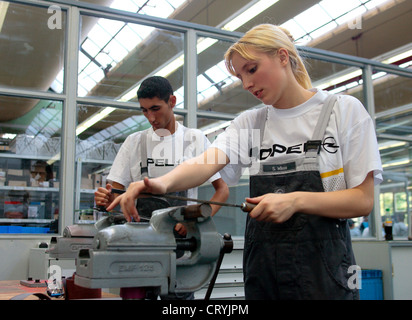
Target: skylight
x=306 y=26
x=325 y=16
x=109 y=42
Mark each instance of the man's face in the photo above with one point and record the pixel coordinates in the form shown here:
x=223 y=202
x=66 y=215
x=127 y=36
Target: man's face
x=159 y=112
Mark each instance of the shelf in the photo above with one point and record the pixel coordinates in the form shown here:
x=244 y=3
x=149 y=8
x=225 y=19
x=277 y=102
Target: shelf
x=33 y=189
x=25 y=156
x=6 y=220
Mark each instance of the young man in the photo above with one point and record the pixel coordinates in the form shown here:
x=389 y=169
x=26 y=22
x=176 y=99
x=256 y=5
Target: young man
x=157 y=150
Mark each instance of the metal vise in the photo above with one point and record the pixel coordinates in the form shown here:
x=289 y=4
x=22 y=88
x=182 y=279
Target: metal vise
x=75 y=237
x=143 y=255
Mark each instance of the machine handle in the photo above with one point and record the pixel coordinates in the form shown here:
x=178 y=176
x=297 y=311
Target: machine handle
x=227 y=248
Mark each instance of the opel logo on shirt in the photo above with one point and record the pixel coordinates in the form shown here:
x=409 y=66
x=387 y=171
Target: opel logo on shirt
x=329 y=145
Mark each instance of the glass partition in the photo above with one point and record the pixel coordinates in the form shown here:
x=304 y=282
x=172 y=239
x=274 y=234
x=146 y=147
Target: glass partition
x=32 y=47
x=394 y=130
x=97 y=145
x=155 y=8
x=32 y=51
x=336 y=78
x=116 y=51
x=30 y=166
x=115 y=56
x=217 y=89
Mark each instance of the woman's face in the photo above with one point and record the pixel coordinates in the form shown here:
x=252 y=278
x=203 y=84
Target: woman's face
x=264 y=77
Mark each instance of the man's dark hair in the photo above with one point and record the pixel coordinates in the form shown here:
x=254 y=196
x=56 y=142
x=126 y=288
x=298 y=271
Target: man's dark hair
x=155 y=86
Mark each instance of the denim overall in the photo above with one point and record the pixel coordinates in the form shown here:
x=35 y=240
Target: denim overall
x=308 y=256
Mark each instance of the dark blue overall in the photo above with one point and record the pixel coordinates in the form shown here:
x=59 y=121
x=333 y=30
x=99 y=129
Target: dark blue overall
x=308 y=256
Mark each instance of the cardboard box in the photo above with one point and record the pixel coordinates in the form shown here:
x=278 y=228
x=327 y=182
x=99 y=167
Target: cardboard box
x=15 y=183
x=86 y=183
x=15 y=172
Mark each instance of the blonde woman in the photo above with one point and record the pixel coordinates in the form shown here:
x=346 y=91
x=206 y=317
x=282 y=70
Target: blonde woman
x=313 y=161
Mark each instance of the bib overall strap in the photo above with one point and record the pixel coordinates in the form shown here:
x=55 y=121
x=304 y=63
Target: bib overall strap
x=312 y=147
x=260 y=124
x=143 y=154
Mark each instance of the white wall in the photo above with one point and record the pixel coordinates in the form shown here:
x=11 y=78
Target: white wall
x=14 y=256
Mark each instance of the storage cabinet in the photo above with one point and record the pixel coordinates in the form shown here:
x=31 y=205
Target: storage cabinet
x=30 y=183
x=91 y=174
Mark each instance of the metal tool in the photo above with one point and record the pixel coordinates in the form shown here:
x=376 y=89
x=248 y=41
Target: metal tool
x=75 y=237
x=245 y=206
x=143 y=255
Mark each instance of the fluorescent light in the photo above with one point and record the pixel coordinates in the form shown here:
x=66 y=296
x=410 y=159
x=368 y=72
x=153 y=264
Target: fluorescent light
x=340 y=79
x=94 y=119
x=398 y=57
x=53 y=159
x=391 y=144
x=9 y=136
x=130 y=94
x=248 y=14
x=3 y=10
x=216 y=128
x=170 y=67
x=204 y=43
x=395 y=163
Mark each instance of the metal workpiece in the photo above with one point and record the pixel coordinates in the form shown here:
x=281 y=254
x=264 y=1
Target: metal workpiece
x=144 y=254
x=75 y=237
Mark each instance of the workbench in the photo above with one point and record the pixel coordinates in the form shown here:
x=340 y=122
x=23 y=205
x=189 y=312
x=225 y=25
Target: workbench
x=12 y=288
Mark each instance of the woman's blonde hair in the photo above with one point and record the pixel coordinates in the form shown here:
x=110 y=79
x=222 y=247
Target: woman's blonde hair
x=269 y=38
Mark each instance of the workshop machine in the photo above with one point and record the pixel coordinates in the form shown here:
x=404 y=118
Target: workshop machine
x=140 y=256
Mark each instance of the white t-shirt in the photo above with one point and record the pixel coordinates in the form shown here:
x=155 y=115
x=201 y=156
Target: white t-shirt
x=163 y=155
x=349 y=148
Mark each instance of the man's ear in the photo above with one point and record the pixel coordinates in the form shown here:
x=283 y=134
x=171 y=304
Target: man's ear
x=172 y=101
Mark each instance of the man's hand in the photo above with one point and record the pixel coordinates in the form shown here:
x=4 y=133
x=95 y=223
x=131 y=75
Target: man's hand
x=181 y=229
x=104 y=196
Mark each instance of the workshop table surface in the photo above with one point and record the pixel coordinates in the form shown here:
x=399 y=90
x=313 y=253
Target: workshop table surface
x=12 y=288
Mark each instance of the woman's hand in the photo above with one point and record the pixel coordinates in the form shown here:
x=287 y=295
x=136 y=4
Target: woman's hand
x=273 y=207
x=127 y=200
x=340 y=204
